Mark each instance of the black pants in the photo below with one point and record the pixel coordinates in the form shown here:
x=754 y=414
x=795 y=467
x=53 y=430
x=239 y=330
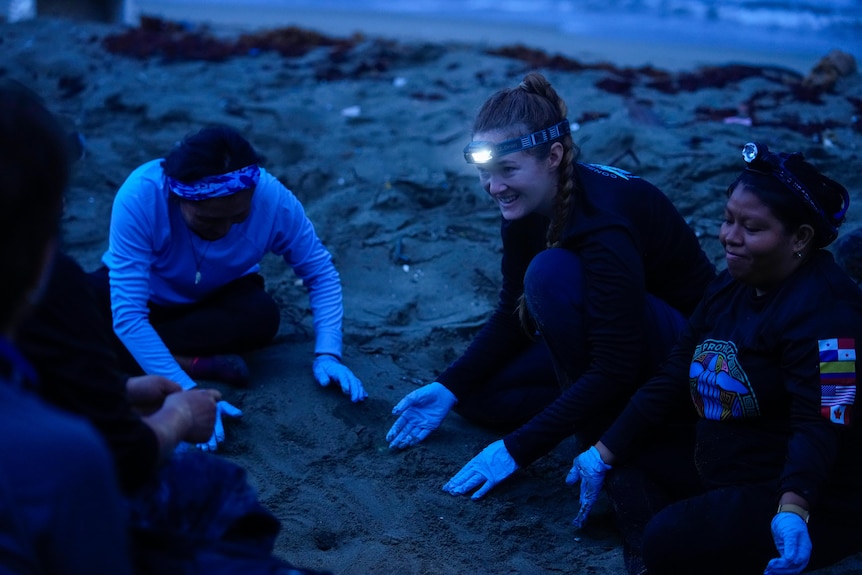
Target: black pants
x=523 y=388
x=236 y=318
x=671 y=524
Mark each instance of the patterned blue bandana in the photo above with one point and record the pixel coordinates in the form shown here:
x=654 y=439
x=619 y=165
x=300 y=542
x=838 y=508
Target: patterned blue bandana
x=216 y=186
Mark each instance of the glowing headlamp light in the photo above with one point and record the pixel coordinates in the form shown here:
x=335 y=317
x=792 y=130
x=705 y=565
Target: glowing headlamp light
x=484 y=152
x=760 y=159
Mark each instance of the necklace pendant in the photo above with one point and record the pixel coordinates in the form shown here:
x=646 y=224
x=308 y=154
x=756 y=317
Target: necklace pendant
x=197 y=277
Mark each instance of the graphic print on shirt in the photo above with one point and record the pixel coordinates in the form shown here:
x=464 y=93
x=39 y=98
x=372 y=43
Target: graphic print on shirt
x=719 y=386
x=611 y=171
x=837 y=379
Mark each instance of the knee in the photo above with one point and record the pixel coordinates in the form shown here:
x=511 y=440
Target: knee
x=258 y=319
x=269 y=319
x=553 y=279
x=662 y=546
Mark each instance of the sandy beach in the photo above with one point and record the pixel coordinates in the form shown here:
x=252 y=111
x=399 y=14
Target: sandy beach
x=368 y=132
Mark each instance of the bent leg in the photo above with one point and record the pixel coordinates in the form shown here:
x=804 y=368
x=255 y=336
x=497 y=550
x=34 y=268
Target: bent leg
x=239 y=317
x=523 y=388
x=660 y=473
x=555 y=284
x=554 y=287
x=722 y=531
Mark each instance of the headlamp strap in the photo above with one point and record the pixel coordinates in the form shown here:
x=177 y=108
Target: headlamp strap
x=546 y=134
x=755 y=154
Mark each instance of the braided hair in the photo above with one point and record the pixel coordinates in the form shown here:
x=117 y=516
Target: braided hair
x=531 y=106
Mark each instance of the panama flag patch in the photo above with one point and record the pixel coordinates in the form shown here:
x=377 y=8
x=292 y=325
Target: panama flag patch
x=837 y=379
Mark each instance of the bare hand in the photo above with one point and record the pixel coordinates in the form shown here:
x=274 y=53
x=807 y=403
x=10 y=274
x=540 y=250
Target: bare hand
x=147 y=393
x=199 y=409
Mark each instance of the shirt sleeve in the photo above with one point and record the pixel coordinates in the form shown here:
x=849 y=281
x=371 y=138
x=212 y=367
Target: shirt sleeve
x=665 y=397
x=297 y=242
x=67 y=341
x=502 y=337
x=819 y=374
x=615 y=299
x=129 y=259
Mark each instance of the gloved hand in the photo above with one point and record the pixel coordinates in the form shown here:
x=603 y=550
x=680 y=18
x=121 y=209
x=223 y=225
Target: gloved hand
x=589 y=469
x=420 y=412
x=223 y=408
x=790 y=534
x=490 y=467
x=327 y=368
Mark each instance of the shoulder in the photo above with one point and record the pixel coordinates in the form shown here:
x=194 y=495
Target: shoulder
x=271 y=191
x=145 y=183
x=824 y=281
x=606 y=172
x=821 y=274
x=148 y=172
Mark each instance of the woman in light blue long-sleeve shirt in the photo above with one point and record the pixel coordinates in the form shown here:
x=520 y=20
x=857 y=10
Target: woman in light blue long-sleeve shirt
x=187 y=236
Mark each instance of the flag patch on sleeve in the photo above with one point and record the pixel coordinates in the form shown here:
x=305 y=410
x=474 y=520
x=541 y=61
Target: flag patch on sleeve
x=837 y=379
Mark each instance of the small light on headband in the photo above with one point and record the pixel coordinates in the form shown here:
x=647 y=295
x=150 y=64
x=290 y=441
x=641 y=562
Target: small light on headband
x=484 y=152
x=759 y=159
x=750 y=152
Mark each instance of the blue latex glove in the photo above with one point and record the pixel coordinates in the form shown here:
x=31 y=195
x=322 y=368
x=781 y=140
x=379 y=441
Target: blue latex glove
x=790 y=534
x=589 y=469
x=420 y=412
x=223 y=408
x=327 y=368
x=490 y=467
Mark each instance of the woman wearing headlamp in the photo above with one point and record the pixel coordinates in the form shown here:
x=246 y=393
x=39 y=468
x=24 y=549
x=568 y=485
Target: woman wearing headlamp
x=608 y=271
x=767 y=366
x=187 y=236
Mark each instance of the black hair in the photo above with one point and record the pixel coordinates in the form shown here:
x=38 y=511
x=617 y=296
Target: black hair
x=210 y=151
x=792 y=210
x=34 y=172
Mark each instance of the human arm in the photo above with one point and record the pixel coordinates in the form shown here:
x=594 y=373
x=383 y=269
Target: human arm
x=294 y=238
x=147 y=393
x=175 y=415
x=140 y=225
x=616 y=363
x=185 y=416
x=502 y=336
x=422 y=410
x=67 y=340
x=820 y=403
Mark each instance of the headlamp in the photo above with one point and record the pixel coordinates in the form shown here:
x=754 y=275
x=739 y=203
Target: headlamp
x=760 y=159
x=484 y=152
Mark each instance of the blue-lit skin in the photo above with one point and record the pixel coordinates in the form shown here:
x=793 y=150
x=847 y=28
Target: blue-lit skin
x=519 y=183
x=759 y=250
x=212 y=219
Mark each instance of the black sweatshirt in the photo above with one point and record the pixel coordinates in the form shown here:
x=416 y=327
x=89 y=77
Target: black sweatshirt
x=631 y=241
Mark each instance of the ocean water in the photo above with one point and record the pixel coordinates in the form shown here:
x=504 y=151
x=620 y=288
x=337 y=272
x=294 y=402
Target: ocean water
x=787 y=26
